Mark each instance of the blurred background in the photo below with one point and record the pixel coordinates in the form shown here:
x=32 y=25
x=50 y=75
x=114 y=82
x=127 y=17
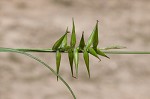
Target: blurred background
x=39 y=23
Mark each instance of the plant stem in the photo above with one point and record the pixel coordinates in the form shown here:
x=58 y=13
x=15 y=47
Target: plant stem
x=105 y=51
x=40 y=61
x=127 y=52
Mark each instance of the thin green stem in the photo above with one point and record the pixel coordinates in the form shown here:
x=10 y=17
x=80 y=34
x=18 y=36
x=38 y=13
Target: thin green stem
x=35 y=50
x=105 y=51
x=40 y=61
x=127 y=52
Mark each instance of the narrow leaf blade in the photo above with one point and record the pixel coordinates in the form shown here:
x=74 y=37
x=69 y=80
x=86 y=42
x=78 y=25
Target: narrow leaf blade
x=58 y=59
x=70 y=55
x=86 y=59
x=73 y=35
x=98 y=51
x=95 y=40
x=76 y=60
x=82 y=42
x=91 y=38
x=93 y=52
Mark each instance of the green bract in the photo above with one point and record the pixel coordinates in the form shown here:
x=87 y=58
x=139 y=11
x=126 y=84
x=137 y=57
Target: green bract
x=86 y=59
x=73 y=36
x=82 y=42
x=93 y=52
x=64 y=41
x=58 y=59
x=70 y=55
x=58 y=42
x=99 y=52
x=95 y=40
x=76 y=60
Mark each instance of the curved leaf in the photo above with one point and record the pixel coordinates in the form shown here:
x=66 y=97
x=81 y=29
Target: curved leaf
x=93 y=52
x=82 y=43
x=86 y=59
x=70 y=55
x=73 y=35
x=76 y=60
x=58 y=59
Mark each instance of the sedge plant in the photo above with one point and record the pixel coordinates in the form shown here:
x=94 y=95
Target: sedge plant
x=73 y=50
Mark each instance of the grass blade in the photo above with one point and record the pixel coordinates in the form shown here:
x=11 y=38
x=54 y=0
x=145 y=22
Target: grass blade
x=58 y=59
x=86 y=59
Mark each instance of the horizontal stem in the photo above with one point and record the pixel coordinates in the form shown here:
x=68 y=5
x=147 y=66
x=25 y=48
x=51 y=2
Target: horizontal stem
x=35 y=50
x=127 y=52
x=105 y=51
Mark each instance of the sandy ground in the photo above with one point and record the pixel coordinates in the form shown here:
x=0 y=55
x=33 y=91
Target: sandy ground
x=38 y=23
